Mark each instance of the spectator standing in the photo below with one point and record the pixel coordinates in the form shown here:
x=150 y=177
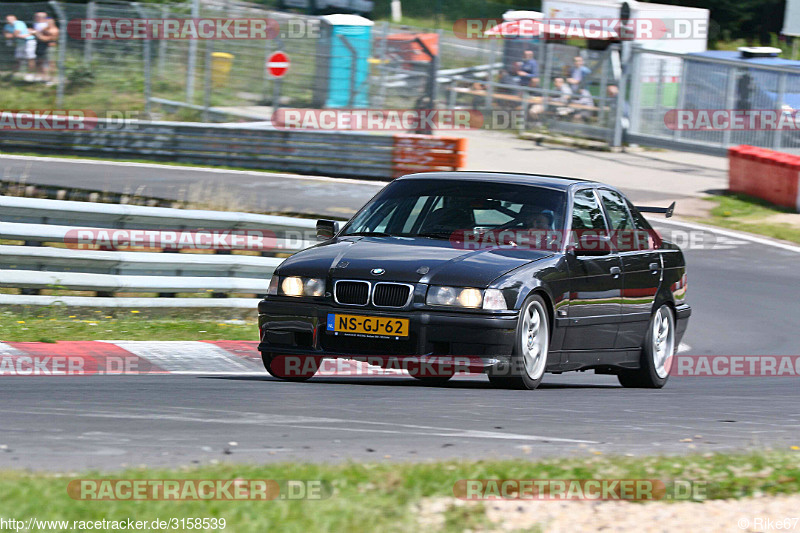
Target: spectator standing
x=612 y=93
x=578 y=74
x=46 y=39
x=24 y=42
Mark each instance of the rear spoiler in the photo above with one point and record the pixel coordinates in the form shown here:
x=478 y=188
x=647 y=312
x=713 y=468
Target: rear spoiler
x=666 y=210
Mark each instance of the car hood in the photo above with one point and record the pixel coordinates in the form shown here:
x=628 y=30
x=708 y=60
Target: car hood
x=409 y=260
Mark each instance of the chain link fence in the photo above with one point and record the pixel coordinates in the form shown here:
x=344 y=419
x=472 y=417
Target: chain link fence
x=554 y=100
x=195 y=75
x=691 y=101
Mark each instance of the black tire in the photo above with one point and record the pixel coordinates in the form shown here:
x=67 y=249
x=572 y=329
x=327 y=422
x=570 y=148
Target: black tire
x=276 y=369
x=416 y=371
x=650 y=374
x=516 y=374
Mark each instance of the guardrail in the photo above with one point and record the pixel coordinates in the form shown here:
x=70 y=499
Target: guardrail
x=54 y=259
x=328 y=153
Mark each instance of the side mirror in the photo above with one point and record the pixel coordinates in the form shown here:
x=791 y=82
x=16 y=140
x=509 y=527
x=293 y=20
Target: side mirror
x=591 y=245
x=327 y=229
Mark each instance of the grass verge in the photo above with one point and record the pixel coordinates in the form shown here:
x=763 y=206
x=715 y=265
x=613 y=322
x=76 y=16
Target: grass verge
x=746 y=213
x=49 y=324
x=383 y=497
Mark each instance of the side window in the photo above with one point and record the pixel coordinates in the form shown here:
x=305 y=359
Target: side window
x=617 y=211
x=586 y=212
x=620 y=221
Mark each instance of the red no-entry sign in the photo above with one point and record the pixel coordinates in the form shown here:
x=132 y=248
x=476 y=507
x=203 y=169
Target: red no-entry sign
x=278 y=64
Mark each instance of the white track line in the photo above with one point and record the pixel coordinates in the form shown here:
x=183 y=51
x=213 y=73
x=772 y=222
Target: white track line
x=191 y=415
x=733 y=234
x=376 y=183
x=6 y=349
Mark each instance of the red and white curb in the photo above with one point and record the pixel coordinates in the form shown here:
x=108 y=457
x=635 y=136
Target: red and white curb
x=161 y=357
x=153 y=357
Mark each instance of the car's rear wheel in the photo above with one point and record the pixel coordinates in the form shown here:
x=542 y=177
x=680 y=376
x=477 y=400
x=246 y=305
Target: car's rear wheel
x=657 y=352
x=291 y=367
x=529 y=358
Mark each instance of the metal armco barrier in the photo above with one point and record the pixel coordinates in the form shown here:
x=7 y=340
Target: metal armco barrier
x=766 y=174
x=328 y=153
x=68 y=266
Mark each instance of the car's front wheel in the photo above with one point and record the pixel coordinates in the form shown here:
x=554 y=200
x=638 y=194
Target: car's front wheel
x=529 y=358
x=657 y=352
x=290 y=367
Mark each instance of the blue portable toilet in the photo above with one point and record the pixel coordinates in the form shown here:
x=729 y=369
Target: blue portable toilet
x=342 y=71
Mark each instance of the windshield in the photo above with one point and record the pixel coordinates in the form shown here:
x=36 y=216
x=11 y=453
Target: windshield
x=442 y=208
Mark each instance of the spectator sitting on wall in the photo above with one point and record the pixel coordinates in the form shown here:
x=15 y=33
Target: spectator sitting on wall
x=584 y=98
x=564 y=91
x=529 y=71
x=24 y=42
x=578 y=74
x=563 y=97
x=510 y=76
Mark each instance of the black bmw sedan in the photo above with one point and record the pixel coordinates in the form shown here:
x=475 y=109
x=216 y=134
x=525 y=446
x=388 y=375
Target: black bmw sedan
x=525 y=274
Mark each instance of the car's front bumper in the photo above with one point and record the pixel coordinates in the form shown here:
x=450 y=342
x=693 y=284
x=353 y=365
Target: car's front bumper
x=300 y=328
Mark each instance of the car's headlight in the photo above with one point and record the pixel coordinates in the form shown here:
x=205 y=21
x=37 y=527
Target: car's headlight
x=470 y=298
x=454 y=296
x=296 y=286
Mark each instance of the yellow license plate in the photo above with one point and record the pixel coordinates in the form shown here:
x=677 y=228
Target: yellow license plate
x=378 y=326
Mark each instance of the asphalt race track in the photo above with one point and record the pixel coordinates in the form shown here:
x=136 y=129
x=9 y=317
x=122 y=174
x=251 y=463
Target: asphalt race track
x=744 y=294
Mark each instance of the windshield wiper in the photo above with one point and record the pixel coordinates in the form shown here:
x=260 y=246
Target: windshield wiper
x=368 y=234
x=433 y=235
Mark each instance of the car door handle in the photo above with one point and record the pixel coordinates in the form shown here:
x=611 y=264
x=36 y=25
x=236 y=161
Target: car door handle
x=614 y=271
x=654 y=267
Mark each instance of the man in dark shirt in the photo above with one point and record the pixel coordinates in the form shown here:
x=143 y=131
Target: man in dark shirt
x=529 y=72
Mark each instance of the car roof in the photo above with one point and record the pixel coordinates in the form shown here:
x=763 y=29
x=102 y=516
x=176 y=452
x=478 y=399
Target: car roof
x=541 y=180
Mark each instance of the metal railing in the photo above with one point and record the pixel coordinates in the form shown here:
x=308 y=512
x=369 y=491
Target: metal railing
x=50 y=264
x=662 y=82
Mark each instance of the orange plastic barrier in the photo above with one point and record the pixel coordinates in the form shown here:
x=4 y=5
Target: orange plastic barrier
x=404 y=45
x=767 y=174
x=427 y=153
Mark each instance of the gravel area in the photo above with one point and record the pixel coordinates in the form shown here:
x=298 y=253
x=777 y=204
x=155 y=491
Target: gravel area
x=766 y=513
